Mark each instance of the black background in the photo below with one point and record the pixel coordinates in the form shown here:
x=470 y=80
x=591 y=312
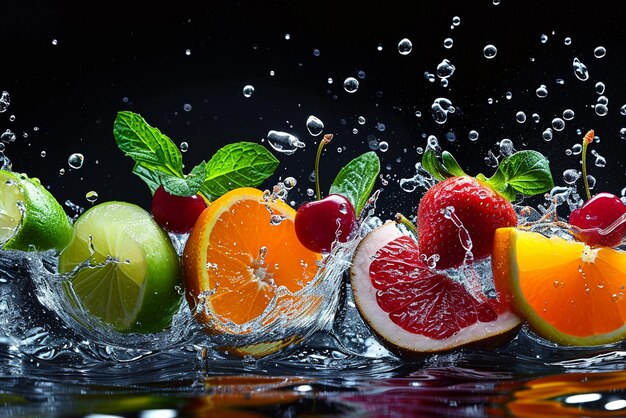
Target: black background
x=125 y=56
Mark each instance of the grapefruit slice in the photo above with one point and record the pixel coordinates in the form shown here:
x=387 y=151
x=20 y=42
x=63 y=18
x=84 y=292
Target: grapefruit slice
x=570 y=293
x=415 y=310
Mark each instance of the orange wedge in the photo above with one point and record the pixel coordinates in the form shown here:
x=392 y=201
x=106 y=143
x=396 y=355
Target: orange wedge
x=244 y=267
x=568 y=292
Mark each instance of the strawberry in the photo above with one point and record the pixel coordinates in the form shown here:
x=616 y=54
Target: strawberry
x=458 y=216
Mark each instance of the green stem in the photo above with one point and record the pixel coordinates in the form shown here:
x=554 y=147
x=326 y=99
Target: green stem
x=324 y=141
x=586 y=140
x=406 y=222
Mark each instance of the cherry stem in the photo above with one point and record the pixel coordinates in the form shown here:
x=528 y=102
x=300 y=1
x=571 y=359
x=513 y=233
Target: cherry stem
x=324 y=141
x=406 y=222
x=586 y=141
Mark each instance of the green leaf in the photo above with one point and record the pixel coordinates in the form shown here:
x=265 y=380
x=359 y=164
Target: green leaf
x=356 y=180
x=441 y=170
x=150 y=177
x=146 y=145
x=449 y=162
x=526 y=172
x=187 y=186
x=241 y=164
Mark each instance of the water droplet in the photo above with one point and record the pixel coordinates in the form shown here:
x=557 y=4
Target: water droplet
x=5 y=101
x=591 y=180
x=440 y=109
x=405 y=46
x=287 y=36
x=451 y=136
x=560 y=81
x=290 y=183
x=76 y=160
x=543 y=38
x=473 y=135
x=330 y=80
x=360 y=74
x=600 y=160
x=43 y=154
x=184 y=146
x=448 y=43
x=343 y=208
x=379 y=47
x=383 y=146
x=187 y=107
x=8 y=136
x=61 y=172
x=248 y=90
x=600 y=87
x=91 y=196
x=536 y=118
x=284 y=142
x=547 y=135
x=520 y=117
x=310 y=192
x=568 y=114
x=445 y=69
x=490 y=51
x=277 y=219
x=418 y=114
x=567 y=41
x=558 y=124
x=570 y=176
x=542 y=91
x=380 y=127
x=55 y=42
x=361 y=120
x=577 y=149
x=508 y=95
x=456 y=21
x=314 y=125
x=351 y=84
x=316 y=52
x=599 y=52
x=580 y=70
x=622 y=133
x=601 y=110
x=429 y=76
x=506 y=147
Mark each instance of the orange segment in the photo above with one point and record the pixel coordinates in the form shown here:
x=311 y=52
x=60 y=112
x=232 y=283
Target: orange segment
x=569 y=293
x=241 y=265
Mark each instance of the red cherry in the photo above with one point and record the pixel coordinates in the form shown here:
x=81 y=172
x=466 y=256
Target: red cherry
x=597 y=214
x=176 y=214
x=317 y=223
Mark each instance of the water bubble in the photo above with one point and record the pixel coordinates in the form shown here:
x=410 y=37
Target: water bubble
x=290 y=182
x=543 y=38
x=599 y=52
x=429 y=76
x=418 y=114
x=5 y=101
x=567 y=41
x=316 y=52
x=248 y=90
x=8 y=136
x=272 y=73
x=445 y=69
x=490 y=51
x=622 y=110
x=600 y=87
x=187 y=51
x=432 y=142
x=379 y=47
x=520 y=117
x=287 y=36
x=559 y=81
x=491 y=160
x=601 y=109
x=568 y=114
x=508 y=95
x=444 y=82
x=408 y=185
x=542 y=91
x=76 y=160
x=380 y=127
x=440 y=109
x=61 y=172
x=187 y=107
x=622 y=133
x=547 y=135
x=448 y=43
x=284 y=142
x=405 y=46
x=351 y=84
x=330 y=80
x=361 y=120
x=314 y=125
x=600 y=160
x=591 y=180
x=473 y=135
x=184 y=146
x=570 y=176
x=536 y=118
x=55 y=42
x=456 y=21
x=580 y=70
x=383 y=146
x=360 y=74
x=91 y=196
x=43 y=154
x=506 y=148
x=558 y=124
x=603 y=100
x=310 y=192
x=12 y=118
x=577 y=149
x=373 y=143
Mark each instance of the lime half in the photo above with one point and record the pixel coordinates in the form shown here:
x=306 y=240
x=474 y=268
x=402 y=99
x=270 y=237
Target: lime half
x=129 y=272
x=30 y=217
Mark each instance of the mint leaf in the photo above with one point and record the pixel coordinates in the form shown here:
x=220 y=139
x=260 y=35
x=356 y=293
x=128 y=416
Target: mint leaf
x=187 y=186
x=526 y=172
x=146 y=145
x=441 y=170
x=356 y=180
x=241 y=164
x=150 y=177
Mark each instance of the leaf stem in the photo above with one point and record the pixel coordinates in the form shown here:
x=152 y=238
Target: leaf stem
x=406 y=222
x=586 y=141
x=325 y=140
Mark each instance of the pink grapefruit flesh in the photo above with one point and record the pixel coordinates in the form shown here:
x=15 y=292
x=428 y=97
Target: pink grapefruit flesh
x=414 y=309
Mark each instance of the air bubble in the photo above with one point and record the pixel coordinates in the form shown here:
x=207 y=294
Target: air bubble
x=351 y=84
x=599 y=52
x=284 y=142
x=600 y=160
x=543 y=38
x=405 y=46
x=184 y=146
x=448 y=43
x=520 y=117
x=601 y=109
x=5 y=101
x=445 y=69
x=91 y=196
x=506 y=147
x=568 y=114
x=473 y=135
x=542 y=91
x=591 y=180
x=570 y=176
x=248 y=90
x=600 y=87
x=383 y=146
x=577 y=149
x=567 y=41
x=547 y=135
x=8 y=136
x=536 y=118
x=316 y=52
x=440 y=109
x=558 y=124
x=361 y=120
x=314 y=125
x=187 y=107
x=290 y=183
x=622 y=133
x=580 y=70
x=490 y=51
x=76 y=160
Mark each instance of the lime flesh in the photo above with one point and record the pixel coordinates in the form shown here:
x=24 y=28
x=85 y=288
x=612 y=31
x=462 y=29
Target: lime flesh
x=128 y=271
x=30 y=217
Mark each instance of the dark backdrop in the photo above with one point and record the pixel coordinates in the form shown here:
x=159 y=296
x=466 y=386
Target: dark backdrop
x=112 y=56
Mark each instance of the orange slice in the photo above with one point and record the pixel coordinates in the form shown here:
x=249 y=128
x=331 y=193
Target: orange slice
x=569 y=293
x=245 y=269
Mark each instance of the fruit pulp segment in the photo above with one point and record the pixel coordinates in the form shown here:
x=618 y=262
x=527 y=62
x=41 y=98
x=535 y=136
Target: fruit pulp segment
x=578 y=290
x=249 y=258
x=10 y=213
x=419 y=300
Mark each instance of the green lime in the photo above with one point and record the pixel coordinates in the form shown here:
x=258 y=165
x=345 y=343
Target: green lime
x=133 y=273
x=30 y=217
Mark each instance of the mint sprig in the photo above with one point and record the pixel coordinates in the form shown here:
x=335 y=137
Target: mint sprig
x=525 y=172
x=158 y=161
x=356 y=180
